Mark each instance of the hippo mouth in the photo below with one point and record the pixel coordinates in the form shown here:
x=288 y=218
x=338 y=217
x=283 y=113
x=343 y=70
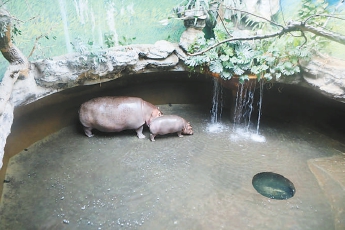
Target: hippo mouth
x=189 y=132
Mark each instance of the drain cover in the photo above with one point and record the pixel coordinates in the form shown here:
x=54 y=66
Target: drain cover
x=273 y=185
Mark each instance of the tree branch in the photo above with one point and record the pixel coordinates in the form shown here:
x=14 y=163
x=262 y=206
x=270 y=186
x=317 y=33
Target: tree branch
x=292 y=26
x=19 y=64
x=256 y=37
x=295 y=26
x=36 y=42
x=322 y=15
x=226 y=29
x=247 y=12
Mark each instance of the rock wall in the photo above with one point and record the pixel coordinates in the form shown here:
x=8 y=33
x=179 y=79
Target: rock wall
x=53 y=75
x=324 y=74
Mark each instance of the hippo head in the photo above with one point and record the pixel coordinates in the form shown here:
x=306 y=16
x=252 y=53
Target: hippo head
x=187 y=129
x=155 y=113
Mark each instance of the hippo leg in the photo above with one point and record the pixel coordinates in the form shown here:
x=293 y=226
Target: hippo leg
x=179 y=134
x=140 y=132
x=152 y=137
x=88 y=132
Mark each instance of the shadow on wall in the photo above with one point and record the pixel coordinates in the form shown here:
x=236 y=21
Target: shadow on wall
x=291 y=103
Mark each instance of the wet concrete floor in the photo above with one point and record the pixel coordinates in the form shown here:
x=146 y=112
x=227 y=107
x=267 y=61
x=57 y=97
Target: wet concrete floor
x=202 y=181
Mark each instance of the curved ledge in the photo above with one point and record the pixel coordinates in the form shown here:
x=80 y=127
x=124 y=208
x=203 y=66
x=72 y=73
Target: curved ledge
x=45 y=77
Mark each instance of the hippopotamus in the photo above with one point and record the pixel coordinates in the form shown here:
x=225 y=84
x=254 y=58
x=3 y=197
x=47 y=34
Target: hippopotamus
x=114 y=114
x=169 y=124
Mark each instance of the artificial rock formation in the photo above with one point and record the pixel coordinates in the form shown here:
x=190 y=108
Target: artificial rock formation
x=48 y=76
x=45 y=77
x=326 y=75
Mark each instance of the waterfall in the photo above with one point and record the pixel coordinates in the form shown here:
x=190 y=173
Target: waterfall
x=244 y=107
x=82 y=10
x=63 y=10
x=111 y=23
x=93 y=23
x=260 y=104
x=217 y=106
x=244 y=103
x=217 y=103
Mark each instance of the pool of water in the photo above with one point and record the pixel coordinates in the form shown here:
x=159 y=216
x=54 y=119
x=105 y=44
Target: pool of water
x=202 y=181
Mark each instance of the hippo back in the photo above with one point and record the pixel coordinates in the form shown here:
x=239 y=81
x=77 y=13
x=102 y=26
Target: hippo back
x=114 y=114
x=167 y=124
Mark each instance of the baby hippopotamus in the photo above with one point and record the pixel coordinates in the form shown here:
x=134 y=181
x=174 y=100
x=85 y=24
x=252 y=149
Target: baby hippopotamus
x=169 y=124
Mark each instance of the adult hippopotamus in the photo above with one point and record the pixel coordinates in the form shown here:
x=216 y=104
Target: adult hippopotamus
x=169 y=124
x=114 y=114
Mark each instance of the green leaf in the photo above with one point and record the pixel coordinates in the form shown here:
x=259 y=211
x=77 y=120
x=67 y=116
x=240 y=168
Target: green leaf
x=226 y=75
x=216 y=66
x=288 y=65
x=229 y=51
x=243 y=78
x=224 y=57
x=238 y=71
x=228 y=65
x=255 y=70
x=268 y=76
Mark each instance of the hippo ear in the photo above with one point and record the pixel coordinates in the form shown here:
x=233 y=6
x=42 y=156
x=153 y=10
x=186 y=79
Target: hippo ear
x=160 y=112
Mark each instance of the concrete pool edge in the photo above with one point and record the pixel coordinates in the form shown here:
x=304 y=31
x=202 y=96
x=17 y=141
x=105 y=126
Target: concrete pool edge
x=34 y=121
x=329 y=173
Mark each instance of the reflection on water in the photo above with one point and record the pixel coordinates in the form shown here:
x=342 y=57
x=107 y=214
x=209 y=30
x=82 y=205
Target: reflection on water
x=202 y=181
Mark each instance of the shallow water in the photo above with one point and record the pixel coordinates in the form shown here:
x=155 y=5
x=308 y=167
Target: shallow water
x=202 y=181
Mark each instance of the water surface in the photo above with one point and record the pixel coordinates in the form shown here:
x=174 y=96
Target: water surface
x=202 y=181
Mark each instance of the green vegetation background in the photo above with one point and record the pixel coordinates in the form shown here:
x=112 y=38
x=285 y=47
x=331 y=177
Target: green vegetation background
x=139 y=19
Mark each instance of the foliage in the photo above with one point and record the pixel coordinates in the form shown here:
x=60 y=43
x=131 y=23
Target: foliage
x=311 y=8
x=197 y=9
x=109 y=40
x=89 y=20
x=89 y=57
x=268 y=59
x=126 y=41
x=202 y=5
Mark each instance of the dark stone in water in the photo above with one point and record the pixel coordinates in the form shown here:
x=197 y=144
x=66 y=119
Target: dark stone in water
x=273 y=185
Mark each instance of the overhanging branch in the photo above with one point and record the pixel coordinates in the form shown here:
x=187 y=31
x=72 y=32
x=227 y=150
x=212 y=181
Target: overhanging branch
x=256 y=37
x=292 y=26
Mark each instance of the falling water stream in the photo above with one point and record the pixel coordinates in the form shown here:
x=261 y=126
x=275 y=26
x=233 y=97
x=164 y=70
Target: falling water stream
x=217 y=102
x=260 y=106
x=62 y=4
x=216 y=125
x=244 y=107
